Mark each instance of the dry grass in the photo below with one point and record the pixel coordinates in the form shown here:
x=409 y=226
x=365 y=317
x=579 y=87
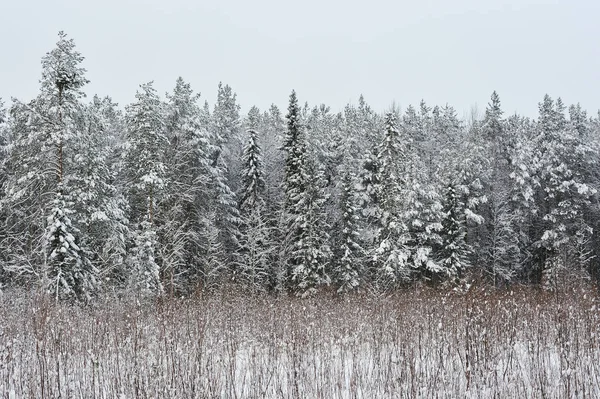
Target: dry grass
x=423 y=343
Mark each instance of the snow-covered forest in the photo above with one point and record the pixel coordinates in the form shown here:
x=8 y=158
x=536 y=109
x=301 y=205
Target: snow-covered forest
x=171 y=195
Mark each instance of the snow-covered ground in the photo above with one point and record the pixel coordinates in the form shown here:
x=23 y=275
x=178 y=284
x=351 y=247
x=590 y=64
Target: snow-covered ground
x=413 y=344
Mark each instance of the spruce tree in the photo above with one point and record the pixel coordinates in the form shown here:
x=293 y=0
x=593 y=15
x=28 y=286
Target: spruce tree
x=391 y=252
x=500 y=253
x=28 y=183
x=421 y=199
x=454 y=251
x=226 y=154
x=564 y=193
x=307 y=250
x=272 y=134
x=295 y=181
x=255 y=241
x=272 y=130
x=349 y=253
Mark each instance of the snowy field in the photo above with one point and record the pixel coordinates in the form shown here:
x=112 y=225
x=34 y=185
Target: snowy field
x=522 y=344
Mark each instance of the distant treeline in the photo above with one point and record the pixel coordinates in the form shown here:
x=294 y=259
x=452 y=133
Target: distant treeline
x=171 y=195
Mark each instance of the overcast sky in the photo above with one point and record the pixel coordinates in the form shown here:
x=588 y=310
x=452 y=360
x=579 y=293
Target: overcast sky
x=454 y=52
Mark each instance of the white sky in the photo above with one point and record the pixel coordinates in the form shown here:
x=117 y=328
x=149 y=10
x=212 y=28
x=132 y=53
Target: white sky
x=443 y=51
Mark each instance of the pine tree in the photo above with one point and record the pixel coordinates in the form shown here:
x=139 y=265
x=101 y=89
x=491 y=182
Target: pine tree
x=187 y=204
x=97 y=203
x=254 y=119
x=144 y=158
x=145 y=145
x=40 y=236
x=70 y=270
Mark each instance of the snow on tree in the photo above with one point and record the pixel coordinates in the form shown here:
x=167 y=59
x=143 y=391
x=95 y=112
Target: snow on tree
x=144 y=148
x=295 y=149
x=213 y=263
x=585 y=130
x=499 y=248
x=361 y=132
x=226 y=124
x=307 y=250
x=311 y=254
x=226 y=151
x=253 y=119
x=3 y=139
x=146 y=169
x=369 y=195
x=369 y=134
x=28 y=183
x=502 y=253
x=61 y=84
x=175 y=197
x=256 y=246
x=98 y=205
x=70 y=274
x=253 y=183
x=272 y=130
x=109 y=221
x=423 y=215
x=461 y=164
x=391 y=253
x=564 y=193
x=349 y=254
x=3 y=160
x=271 y=127
x=187 y=203
x=3 y=143
x=38 y=187
x=145 y=271
x=322 y=138
x=70 y=270
x=454 y=251
x=295 y=182
x=422 y=200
